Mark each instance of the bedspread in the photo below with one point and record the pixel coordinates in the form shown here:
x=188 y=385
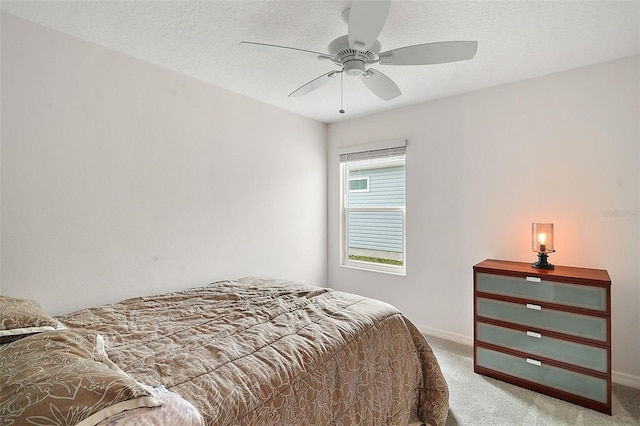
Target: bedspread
x=271 y=352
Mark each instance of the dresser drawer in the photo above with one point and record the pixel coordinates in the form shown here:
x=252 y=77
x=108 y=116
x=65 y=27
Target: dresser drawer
x=589 y=327
x=581 y=296
x=536 y=344
x=589 y=387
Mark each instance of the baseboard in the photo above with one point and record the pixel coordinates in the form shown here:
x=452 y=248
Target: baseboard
x=625 y=379
x=617 y=377
x=446 y=335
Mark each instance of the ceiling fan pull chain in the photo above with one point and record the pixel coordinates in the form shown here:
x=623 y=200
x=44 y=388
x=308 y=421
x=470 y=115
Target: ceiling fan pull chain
x=341 y=90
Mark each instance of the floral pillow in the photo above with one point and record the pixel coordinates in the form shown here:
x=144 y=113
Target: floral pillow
x=63 y=377
x=21 y=317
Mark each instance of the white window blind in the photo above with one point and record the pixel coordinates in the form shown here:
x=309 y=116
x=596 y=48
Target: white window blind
x=373 y=154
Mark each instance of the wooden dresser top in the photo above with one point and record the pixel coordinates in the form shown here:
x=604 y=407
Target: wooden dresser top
x=493 y=265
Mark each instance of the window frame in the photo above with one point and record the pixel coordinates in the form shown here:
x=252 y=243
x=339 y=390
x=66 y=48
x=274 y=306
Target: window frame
x=345 y=209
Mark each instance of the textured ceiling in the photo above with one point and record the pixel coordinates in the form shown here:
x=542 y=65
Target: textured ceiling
x=517 y=40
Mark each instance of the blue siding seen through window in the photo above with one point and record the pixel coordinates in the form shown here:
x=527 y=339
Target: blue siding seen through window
x=386 y=187
x=378 y=230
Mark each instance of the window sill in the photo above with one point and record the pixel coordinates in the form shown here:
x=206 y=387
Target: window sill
x=364 y=266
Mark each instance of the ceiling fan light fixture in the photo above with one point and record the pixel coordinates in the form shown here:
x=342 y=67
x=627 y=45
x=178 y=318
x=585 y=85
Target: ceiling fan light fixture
x=354 y=67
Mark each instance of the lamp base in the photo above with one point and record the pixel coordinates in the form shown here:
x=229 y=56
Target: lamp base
x=542 y=262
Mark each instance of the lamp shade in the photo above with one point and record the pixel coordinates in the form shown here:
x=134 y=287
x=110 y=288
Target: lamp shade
x=542 y=237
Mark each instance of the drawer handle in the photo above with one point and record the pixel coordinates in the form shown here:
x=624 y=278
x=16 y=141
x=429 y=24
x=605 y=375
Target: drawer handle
x=534 y=307
x=534 y=279
x=534 y=362
x=534 y=334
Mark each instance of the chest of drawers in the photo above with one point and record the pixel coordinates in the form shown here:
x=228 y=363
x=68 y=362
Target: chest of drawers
x=545 y=330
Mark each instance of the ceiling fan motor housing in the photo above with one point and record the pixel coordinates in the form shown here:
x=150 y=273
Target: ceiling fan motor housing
x=353 y=61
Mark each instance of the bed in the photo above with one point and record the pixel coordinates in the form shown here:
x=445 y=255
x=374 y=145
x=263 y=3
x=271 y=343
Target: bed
x=251 y=351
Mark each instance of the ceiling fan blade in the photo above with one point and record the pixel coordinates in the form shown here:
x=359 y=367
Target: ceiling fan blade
x=314 y=84
x=283 y=49
x=366 y=19
x=430 y=53
x=381 y=85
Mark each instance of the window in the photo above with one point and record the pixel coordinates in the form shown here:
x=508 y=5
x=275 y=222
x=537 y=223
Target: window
x=373 y=207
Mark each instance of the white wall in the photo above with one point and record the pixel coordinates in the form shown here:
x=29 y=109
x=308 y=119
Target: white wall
x=481 y=167
x=120 y=178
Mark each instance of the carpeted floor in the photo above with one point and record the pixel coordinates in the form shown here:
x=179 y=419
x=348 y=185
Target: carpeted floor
x=478 y=400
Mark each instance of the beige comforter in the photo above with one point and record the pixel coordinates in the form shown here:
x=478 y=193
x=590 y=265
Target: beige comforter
x=270 y=352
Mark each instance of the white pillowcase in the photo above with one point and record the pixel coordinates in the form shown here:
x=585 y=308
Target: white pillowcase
x=175 y=410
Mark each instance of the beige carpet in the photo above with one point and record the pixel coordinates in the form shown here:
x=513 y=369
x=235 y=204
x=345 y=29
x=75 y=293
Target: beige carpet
x=479 y=400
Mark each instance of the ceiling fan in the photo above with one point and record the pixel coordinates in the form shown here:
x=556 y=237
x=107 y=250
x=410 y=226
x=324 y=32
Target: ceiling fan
x=360 y=48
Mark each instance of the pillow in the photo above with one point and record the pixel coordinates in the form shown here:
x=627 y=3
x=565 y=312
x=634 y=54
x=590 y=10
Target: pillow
x=175 y=410
x=64 y=377
x=21 y=317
